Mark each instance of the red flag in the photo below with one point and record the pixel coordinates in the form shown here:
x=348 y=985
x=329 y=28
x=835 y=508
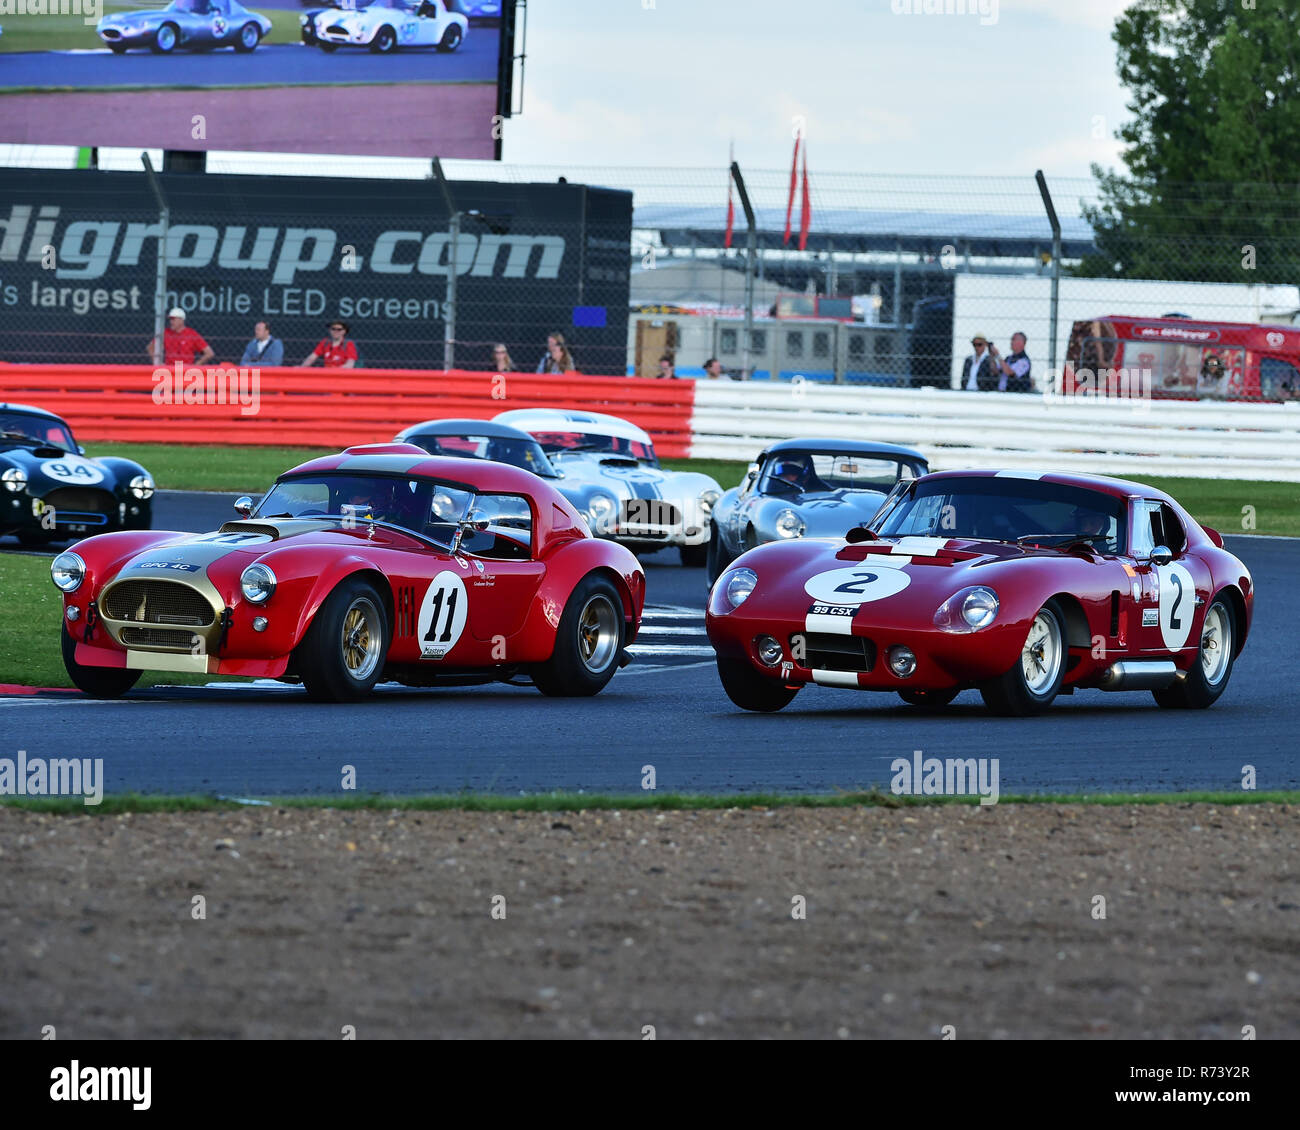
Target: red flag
x=731 y=211
x=805 y=217
x=789 y=204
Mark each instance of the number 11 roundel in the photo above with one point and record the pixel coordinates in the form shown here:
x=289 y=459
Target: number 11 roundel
x=442 y=615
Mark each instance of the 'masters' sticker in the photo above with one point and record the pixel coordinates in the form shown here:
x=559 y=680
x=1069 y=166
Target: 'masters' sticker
x=856 y=586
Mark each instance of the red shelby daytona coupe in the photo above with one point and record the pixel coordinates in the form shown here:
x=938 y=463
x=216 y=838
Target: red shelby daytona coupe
x=1021 y=584
x=380 y=562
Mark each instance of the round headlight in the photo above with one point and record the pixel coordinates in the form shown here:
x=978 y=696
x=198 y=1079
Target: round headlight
x=15 y=478
x=968 y=610
x=901 y=661
x=67 y=571
x=979 y=607
x=601 y=506
x=257 y=583
x=142 y=486
x=769 y=651
x=708 y=500
x=302 y=20
x=789 y=524
x=740 y=583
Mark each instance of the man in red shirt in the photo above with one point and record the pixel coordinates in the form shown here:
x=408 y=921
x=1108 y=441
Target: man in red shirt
x=180 y=343
x=335 y=352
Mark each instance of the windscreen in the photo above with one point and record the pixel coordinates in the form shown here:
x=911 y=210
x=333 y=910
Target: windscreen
x=20 y=426
x=560 y=442
x=524 y=453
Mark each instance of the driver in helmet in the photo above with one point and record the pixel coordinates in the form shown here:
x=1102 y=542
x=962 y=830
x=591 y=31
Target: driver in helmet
x=1089 y=524
x=793 y=470
x=369 y=501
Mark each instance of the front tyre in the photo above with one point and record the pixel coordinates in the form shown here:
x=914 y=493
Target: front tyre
x=1208 y=676
x=342 y=655
x=117 y=48
x=588 y=642
x=1035 y=677
x=250 y=35
x=751 y=691
x=97 y=682
x=385 y=41
x=165 y=39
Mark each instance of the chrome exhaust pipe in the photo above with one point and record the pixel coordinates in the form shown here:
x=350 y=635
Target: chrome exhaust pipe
x=1139 y=675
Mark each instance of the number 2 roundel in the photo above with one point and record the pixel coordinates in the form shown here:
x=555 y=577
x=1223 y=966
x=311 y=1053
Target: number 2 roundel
x=1177 y=604
x=856 y=586
x=443 y=613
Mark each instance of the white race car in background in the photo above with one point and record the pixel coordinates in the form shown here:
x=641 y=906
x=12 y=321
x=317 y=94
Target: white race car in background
x=609 y=471
x=385 y=25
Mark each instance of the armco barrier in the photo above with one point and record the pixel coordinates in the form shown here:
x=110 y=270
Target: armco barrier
x=1007 y=430
x=326 y=408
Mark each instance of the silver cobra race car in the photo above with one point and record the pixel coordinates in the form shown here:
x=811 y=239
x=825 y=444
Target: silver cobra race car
x=815 y=488
x=385 y=25
x=609 y=471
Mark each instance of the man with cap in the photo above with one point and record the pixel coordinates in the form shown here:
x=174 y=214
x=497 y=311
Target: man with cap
x=978 y=371
x=180 y=343
x=335 y=351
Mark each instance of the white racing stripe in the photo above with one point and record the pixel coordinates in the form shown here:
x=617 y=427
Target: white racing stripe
x=834 y=623
x=918 y=546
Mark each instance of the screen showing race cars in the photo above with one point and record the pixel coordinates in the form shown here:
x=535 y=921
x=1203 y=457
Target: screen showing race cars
x=417 y=78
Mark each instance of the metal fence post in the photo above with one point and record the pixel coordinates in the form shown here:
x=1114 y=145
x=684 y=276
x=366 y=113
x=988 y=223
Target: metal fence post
x=1056 y=270
x=160 y=283
x=449 y=306
x=750 y=250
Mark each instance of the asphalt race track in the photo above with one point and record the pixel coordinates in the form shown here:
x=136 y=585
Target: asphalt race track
x=271 y=63
x=668 y=710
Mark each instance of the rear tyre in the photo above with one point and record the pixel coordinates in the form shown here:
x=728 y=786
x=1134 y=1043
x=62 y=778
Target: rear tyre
x=1035 y=677
x=451 y=38
x=929 y=699
x=694 y=556
x=342 y=655
x=588 y=642
x=1208 y=676
x=751 y=691
x=97 y=682
x=385 y=41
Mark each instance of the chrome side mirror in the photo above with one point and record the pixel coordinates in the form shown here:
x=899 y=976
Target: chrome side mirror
x=477 y=522
x=244 y=506
x=1161 y=555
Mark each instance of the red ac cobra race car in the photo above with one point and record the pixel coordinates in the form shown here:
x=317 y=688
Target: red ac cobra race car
x=1024 y=585
x=380 y=562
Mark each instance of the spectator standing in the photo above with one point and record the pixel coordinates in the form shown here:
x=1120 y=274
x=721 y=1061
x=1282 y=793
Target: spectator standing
x=666 y=367
x=978 y=371
x=335 y=351
x=557 y=358
x=263 y=349
x=180 y=342
x=501 y=361
x=1013 y=372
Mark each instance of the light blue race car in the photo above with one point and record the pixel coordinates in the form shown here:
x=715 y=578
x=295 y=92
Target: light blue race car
x=188 y=25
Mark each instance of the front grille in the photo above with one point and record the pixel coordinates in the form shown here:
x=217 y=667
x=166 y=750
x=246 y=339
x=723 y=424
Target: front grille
x=825 y=652
x=158 y=637
x=81 y=500
x=157 y=602
x=654 y=512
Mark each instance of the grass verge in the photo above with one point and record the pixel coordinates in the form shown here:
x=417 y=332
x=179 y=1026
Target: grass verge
x=580 y=802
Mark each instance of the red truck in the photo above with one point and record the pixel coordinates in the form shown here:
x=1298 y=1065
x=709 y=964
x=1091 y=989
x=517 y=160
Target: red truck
x=1177 y=358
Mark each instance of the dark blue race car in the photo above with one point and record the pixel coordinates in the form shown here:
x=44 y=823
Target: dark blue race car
x=192 y=25
x=49 y=490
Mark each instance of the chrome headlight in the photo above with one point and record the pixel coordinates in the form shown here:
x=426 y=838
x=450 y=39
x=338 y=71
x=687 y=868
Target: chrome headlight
x=14 y=479
x=789 y=524
x=302 y=20
x=969 y=610
x=601 y=509
x=67 y=571
x=708 y=500
x=142 y=486
x=739 y=584
x=257 y=583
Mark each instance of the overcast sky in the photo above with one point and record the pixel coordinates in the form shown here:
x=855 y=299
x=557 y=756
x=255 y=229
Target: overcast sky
x=621 y=82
